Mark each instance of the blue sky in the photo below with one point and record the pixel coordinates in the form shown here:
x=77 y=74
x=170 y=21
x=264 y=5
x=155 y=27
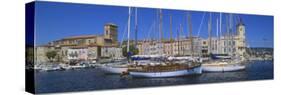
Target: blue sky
x=58 y=20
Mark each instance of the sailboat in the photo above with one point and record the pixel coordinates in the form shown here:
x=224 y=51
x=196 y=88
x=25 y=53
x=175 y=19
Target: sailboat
x=122 y=66
x=114 y=68
x=165 y=70
x=221 y=63
x=165 y=67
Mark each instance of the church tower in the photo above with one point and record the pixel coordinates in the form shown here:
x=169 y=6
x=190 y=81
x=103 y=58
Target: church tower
x=110 y=32
x=241 y=38
x=241 y=29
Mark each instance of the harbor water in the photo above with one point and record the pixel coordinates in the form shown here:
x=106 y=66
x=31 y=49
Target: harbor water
x=94 y=79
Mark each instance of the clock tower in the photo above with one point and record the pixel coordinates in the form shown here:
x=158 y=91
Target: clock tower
x=241 y=29
x=241 y=39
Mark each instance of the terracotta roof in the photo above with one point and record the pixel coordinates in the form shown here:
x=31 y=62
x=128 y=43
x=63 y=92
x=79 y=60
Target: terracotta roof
x=82 y=46
x=74 y=45
x=80 y=37
x=111 y=24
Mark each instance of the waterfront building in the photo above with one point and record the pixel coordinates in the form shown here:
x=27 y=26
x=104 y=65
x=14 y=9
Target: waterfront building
x=109 y=38
x=88 y=53
x=40 y=53
x=84 y=47
x=77 y=54
x=111 y=52
x=231 y=43
x=150 y=47
x=172 y=47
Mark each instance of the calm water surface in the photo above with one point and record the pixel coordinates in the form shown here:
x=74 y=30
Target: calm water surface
x=94 y=79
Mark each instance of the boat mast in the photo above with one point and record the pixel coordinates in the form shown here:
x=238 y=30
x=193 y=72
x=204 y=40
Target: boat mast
x=160 y=46
x=171 y=32
x=217 y=27
x=171 y=35
x=136 y=27
x=190 y=33
x=220 y=49
x=160 y=31
x=227 y=35
x=129 y=22
x=160 y=25
x=210 y=33
x=232 y=35
x=178 y=41
x=217 y=36
x=180 y=30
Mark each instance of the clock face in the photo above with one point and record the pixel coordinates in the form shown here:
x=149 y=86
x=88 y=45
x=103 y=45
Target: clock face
x=240 y=29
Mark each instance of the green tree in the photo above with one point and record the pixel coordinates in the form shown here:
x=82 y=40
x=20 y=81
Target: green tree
x=51 y=55
x=132 y=49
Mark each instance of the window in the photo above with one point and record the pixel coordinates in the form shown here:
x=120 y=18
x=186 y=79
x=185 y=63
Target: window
x=65 y=52
x=204 y=42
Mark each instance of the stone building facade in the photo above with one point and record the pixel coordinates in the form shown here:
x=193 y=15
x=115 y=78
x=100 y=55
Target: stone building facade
x=233 y=43
x=229 y=44
x=85 y=47
x=173 y=48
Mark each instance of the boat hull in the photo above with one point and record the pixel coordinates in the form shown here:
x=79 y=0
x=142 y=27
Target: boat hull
x=177 y=73
x=113 y=70
x=222 y=68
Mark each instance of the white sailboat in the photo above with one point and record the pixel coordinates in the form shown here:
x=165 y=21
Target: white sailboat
x=167 y=67
x=222 y=63
x=114 y=68
x=121 y=66
x=222 y=66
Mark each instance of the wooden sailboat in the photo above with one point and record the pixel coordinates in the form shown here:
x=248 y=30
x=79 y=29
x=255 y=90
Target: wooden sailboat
x=166 y=68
